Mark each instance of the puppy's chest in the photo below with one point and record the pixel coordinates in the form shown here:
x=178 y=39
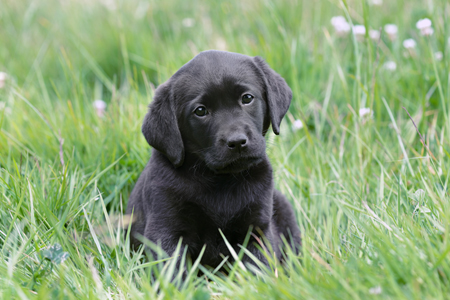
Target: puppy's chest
x=201 y=227
x=220 y=202
x=201 y=211
x=203 y=219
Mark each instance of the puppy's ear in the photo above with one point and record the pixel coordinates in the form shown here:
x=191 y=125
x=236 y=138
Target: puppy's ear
x=160 y=126
x=278 y=93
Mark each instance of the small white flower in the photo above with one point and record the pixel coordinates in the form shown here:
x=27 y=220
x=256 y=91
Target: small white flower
x=100 y=104
x=342 y=29
x=390 y=65
x=391 y=30
x=423 y=23
x=297 y=125
x=364 y=112
x=188 y=22
x=376 y=2
x=100 y=107
x=340 y=25
x=338 y=20
x=3 y=77
x=376 y=290
x=359 y=30
x=438 y=55
x=374 y=34
x=409 y=44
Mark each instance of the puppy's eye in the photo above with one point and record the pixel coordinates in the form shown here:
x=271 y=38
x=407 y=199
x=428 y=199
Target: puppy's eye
x=200 y=111
x=247 y=98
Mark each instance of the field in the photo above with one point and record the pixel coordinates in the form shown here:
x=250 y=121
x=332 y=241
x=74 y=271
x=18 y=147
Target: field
x=363 y=154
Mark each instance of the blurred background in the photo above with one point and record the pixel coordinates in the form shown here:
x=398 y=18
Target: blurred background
x=111 y=43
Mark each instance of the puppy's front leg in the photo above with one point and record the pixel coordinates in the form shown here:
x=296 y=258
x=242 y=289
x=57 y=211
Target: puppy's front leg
x=173 y=247
x=262 y=244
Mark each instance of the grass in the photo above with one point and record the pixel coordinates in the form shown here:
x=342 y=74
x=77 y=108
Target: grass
x=372 y=201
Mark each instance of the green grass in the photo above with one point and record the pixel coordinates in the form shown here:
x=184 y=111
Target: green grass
x=372 y=202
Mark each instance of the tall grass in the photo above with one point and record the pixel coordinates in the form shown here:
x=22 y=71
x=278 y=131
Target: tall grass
x=371 y=197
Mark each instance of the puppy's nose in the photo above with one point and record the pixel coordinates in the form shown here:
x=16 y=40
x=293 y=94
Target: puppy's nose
x=237 y=142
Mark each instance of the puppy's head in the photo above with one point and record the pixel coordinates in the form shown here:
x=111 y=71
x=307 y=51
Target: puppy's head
x=217 y=107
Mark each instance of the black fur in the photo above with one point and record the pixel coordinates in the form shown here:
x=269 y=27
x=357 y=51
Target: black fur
x=211 y=172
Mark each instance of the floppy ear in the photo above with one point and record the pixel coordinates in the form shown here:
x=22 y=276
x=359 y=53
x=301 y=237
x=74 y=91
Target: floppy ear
x=278 y=94
x=160 y=126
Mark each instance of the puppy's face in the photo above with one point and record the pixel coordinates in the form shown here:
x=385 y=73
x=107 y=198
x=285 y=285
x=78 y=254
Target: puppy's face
x=222 y=121
x=217 y=108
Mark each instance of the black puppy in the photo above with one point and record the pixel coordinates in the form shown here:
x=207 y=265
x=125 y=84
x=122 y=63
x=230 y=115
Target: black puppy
x=208 y=169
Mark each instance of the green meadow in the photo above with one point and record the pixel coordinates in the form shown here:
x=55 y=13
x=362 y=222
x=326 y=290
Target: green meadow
x=363 y=154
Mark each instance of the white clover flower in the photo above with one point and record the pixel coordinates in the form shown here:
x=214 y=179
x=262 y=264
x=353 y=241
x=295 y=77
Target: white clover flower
x=423 y=23
x=336 y=20
x=297 y=125
x=438 y=55
x=391 y=30
x=340 y=25
x=364 y=112
x=100 y=107
x=409 y=43
x=359 y=30
x=188 y=22
x=390 y=65
x=376 y=2
x=342 y=29
x=3 y=77
x=374 y=34
x=376 y=290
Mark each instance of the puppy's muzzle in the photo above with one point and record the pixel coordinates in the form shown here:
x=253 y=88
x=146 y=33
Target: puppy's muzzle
x=237 y=142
